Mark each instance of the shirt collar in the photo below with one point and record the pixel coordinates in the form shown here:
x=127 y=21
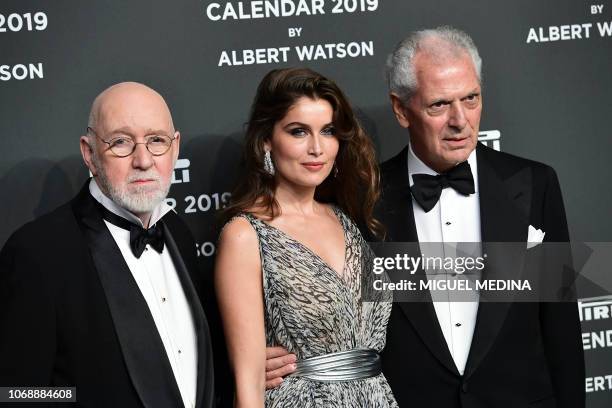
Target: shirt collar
x=416 y=166
x=158 y=212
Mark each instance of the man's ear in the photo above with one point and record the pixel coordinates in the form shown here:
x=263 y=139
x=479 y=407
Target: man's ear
x=399 y=110
x=87 y=153
x=177 y=140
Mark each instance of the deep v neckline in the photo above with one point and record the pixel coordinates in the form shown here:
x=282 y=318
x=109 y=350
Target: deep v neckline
x=312 y=252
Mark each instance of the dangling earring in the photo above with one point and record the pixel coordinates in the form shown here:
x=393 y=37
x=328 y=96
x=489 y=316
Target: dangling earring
x=335 y=170
x=268 y=165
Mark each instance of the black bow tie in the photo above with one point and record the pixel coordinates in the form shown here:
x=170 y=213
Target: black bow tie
x=139 y=237
x=426 y=189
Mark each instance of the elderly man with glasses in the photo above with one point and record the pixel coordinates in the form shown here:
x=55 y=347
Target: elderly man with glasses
x=100 y=294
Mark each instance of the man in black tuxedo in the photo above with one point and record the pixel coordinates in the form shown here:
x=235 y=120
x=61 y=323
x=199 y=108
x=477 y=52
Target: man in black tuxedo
x=100 y=294
x=445 y=187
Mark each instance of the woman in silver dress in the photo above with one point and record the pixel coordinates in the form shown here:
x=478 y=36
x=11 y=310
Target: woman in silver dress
x=291 y=262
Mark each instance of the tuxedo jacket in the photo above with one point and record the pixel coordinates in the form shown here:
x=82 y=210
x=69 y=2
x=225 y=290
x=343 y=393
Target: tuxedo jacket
x=72 y=314
x=522 y=354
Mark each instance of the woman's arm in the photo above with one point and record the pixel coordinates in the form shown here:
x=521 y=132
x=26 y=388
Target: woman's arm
x=238 y=282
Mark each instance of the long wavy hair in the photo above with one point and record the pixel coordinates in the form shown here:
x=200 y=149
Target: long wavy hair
x=354 y=188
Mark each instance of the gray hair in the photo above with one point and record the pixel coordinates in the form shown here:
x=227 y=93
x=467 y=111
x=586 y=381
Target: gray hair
x=440 y=42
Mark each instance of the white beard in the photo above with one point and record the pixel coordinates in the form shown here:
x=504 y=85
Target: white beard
x=135 y=199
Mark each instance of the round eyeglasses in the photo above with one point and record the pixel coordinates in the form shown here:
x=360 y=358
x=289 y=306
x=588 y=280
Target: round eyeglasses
x=123 y=146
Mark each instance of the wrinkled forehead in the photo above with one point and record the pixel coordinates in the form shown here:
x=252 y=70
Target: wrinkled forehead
x=449 y=72
x=442 y=56
x=136 y=111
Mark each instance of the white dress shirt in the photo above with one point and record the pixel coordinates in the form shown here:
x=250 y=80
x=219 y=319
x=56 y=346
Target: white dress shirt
x=161 y=288
x=454 y=219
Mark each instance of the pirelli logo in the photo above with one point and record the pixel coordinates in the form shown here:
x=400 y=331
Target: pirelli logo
x=596 y=308
x=181 y=171
x=597 y=311
x=490 y=138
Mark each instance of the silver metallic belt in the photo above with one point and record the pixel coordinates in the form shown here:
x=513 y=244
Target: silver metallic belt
x=341 y=366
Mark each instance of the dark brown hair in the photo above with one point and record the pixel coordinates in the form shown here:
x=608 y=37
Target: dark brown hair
x=355 y=188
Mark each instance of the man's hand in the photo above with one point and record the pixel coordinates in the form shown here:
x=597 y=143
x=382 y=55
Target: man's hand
x=279 y=363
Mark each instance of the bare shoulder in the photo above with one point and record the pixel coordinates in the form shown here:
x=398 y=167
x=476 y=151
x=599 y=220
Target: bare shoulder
x=237 y=262
x=238 y=232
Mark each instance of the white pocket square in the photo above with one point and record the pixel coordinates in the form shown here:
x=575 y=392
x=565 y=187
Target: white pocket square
x=534 y=237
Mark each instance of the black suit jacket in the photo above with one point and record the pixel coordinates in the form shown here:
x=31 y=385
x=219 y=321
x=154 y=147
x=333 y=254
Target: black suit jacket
x=522 y=354
x=72 y=314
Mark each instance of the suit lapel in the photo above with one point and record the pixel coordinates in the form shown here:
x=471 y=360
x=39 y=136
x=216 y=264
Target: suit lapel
x=185 y=272
x=398 y=216
x=504 y=207
x=504 y=200
x=396 y=203
x=142 y=348
x=422 y=315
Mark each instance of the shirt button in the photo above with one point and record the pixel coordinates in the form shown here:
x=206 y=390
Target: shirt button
x=448 y=223
x=163 y=299
x=179 y=351
x=457 y=324
x=464 y=387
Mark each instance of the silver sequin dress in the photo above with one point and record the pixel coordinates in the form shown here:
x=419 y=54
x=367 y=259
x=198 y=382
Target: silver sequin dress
x=311 y=310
